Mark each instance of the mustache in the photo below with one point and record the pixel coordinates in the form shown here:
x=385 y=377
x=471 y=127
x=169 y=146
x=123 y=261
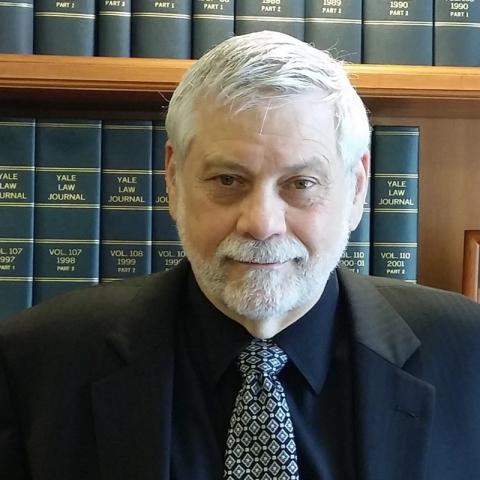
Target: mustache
x=273 y=250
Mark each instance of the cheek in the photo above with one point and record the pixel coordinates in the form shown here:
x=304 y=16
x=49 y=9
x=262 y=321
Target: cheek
x=206 y=226
x=319 y=229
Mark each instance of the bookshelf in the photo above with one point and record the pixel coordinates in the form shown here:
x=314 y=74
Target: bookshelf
x=443 y=101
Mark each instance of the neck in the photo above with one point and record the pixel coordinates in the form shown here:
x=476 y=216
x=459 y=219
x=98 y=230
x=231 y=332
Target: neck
x=266 y=327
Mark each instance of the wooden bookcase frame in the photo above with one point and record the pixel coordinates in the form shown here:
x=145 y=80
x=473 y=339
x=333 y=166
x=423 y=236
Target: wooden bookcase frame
x=471 y=267
x=443 y=101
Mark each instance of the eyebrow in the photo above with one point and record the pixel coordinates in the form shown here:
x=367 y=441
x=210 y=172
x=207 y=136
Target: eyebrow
x=318 y=163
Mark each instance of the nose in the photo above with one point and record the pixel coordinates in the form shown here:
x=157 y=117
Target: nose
x=262 y=215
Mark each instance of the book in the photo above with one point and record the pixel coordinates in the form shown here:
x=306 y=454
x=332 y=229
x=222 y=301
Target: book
x=113 y=28
x=213 y=22
x=67 y=206
x=395 y=202
x=336 y=26
x=161 y=29
x=356 y=256
x=284 y=16
x=126 y=201
x=16 y=27
x=166 y=247
x=17 y=141
x=64 y=28
x=457 y=33
x=398 y=32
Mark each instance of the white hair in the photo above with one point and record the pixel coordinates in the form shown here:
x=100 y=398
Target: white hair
x=268 y=69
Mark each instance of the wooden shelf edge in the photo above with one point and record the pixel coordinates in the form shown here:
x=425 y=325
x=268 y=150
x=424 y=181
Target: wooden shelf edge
x=148 y=74
x=399 y=81
x=49 y=72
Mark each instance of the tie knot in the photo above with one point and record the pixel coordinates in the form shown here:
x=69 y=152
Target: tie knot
x=262 y=356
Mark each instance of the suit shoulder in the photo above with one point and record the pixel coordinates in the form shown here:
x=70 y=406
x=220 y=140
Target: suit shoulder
x=430 y=306
x=87 y=311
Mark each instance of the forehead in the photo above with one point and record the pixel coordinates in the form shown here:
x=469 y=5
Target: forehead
x=303 y=118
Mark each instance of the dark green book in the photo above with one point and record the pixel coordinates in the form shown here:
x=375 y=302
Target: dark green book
x=457 y=33
x=356 y=256
x=64 y=28
x=166 y=248
x=126 y=219
x=161 y=29
x=67 y=205
x=17 y=141
x=284 y=16
x=16 y=27
x=335 y=26
x=213 y=22
x=398 y=32
x=113 y=28
x=395 y=202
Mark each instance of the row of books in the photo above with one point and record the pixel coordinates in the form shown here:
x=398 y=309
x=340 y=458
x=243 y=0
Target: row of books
x=410 y=32
x=385 y=242
x=84 y=201
x=81 y=201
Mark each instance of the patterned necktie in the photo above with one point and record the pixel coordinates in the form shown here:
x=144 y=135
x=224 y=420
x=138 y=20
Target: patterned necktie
x=260 y=441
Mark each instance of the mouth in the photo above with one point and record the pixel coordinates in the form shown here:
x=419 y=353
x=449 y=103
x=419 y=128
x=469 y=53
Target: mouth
x=261 y=265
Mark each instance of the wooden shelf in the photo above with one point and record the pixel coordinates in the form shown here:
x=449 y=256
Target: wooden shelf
x=143 y=86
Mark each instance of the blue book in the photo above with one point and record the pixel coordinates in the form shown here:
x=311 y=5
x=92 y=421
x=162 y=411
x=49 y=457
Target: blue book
x=213 y=22
x=398 y=32
x=126 y=217
x=457 y=33
x=284 y=16
x=64 y=28
x=336 y=27
x=161 y=29
x=166 y=247
x=16 y=27
x=395 y=202
x=113 y=28
x=67 y=205
x=356 y=256
x=17 y=139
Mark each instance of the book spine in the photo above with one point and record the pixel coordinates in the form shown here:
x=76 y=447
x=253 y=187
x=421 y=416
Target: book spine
x=17 y=137
x=398 y=32
x=213 y=22
x=356 y=256
x=336 y=26
x=113 y=28
x=126 y=218
x=457 y=33
x=161 y=29
x=64 y=28
x=280 y=15
x=395 y=202
x=67 y=205
x=16 y=27
x=166 y=248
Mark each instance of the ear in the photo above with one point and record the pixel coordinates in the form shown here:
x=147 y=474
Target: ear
x=361 y=173
x=171 y=179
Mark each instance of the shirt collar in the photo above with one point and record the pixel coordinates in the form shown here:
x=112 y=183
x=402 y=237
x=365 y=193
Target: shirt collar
x=215 y=340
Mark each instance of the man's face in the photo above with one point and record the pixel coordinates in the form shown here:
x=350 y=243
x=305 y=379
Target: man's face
x=264 y=206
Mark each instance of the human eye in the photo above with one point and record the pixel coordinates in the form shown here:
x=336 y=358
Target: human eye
x=226 y=180
x=303 y=183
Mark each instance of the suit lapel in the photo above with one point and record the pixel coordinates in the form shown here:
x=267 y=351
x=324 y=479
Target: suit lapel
x=132 y=407
x=393 y=409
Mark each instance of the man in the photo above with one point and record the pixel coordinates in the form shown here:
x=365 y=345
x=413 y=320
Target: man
x=257 y=358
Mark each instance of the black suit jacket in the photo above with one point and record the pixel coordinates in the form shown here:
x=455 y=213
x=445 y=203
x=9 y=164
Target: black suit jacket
x=86 y=382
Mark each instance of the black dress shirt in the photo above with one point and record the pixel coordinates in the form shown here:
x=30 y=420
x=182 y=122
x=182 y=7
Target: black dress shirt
x=316 y=379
